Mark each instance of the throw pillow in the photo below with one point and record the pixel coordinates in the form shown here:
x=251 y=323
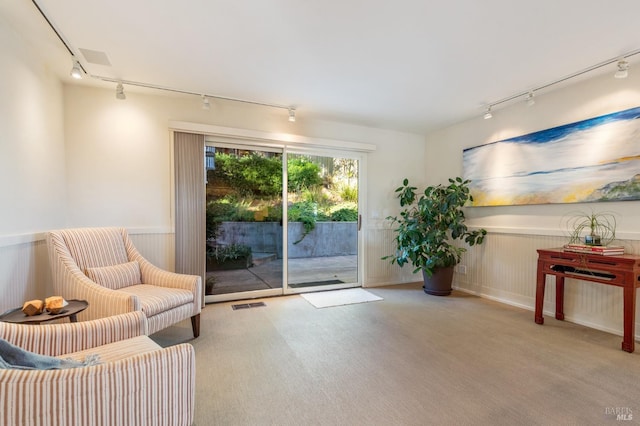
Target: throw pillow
x=12 y=356
x=116 y=276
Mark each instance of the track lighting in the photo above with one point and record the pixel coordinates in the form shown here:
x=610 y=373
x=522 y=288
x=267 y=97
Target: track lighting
x=488 y=115
x=530 y=100
x=120 y=92
x=76 y=72
x=622 y=72
x=205 y=103
x=623 y=67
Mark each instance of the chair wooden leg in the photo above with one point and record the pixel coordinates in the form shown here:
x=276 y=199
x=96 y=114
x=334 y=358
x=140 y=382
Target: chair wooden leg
x=195 y=325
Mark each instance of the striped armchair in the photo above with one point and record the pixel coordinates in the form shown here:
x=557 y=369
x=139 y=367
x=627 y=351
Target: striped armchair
x=137 y=381
x=103 y=267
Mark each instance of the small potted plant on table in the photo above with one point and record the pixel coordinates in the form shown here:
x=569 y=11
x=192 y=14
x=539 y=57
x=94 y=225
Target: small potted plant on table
x=592 y=229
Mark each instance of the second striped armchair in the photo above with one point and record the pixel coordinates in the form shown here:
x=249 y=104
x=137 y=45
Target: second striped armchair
x=136 y=381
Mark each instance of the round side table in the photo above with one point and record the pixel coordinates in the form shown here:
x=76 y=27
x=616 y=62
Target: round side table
x=70 y=311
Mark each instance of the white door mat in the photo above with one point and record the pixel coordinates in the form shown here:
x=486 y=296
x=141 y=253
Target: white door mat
x=325 y=299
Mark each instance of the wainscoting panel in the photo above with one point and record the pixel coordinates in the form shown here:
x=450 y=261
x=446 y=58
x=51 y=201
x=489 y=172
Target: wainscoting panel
x=504 y=269
x=157 y=248
x=379 y=243
x=24 y=273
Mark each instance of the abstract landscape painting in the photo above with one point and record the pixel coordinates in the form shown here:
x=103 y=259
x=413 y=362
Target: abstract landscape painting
x=592 y=160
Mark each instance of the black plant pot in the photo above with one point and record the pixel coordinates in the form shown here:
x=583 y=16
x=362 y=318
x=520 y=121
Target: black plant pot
x=438 y=284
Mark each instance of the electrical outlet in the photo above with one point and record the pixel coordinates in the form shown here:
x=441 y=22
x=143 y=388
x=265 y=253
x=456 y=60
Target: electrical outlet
x=462 y=269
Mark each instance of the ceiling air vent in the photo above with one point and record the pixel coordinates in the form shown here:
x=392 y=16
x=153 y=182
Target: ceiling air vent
x=95 y=57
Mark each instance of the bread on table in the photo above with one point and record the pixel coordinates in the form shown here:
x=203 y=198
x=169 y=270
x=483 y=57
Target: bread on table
x=32 y=307
x=54 y=304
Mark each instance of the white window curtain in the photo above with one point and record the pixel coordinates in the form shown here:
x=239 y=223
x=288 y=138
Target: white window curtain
x=190 y=210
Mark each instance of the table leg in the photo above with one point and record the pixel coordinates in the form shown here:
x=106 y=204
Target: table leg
x=629 y=296
x=559 y=298
x=540 y=282
x=73 y=318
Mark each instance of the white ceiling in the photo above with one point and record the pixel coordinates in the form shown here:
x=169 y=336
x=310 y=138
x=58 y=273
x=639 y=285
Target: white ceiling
x=411 y=65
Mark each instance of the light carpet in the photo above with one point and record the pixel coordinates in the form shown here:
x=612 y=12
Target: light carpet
x=325 y=299
x=409 y=360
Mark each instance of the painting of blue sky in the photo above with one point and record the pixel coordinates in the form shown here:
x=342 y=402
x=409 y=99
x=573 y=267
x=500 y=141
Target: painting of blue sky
x=592 y=160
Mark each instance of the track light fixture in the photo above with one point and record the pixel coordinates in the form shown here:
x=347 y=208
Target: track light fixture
x=488 y=115
x=120 y=92
x=530 y=100
x=205 y=103
x=623 y=67
x=204 y=96
x=622 y=72
x=76 y=72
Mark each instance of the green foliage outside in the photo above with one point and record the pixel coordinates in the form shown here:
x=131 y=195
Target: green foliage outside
x=226 y=211
x=260 y=176
x=302 y=175
x=347 y=213
x=229 y=252
x=249 y=175
x=348 y=193
x=305 y=212
x=230 y=210
x=253 y=184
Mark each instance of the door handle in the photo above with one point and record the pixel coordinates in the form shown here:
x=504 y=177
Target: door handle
x=359 y=222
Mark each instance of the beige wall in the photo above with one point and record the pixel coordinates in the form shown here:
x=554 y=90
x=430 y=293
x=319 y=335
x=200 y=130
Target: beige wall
x=504 y=267
x=32 y=164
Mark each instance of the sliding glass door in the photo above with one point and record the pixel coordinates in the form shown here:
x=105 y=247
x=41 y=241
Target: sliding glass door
x=323 y=221
x=244 y=221
x=279 y=222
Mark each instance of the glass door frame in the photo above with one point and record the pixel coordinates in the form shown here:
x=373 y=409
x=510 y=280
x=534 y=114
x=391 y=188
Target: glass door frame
x=298 y=149
x=249 y=294
x=360 y=257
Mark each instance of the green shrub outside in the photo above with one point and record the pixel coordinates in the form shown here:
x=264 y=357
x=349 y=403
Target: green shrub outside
x=250 y=175
x=302 y=174
x=226 y=211
x=348 y=193
x=256 y=182
x=345 y=214
x=257 y=175
x=229 y=252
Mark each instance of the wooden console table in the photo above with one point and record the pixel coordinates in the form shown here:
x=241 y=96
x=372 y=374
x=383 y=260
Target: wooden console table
x=620 y=270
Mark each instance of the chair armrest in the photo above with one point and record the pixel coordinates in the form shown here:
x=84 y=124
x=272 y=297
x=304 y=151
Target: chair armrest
x=151 y=274
x=161 y=391
x=60 y=339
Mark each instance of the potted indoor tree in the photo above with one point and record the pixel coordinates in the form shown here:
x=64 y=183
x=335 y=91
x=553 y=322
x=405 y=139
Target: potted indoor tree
x=426 y=229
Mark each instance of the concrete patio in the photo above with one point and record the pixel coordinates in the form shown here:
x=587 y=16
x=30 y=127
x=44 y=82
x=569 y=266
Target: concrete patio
x=267 y=273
